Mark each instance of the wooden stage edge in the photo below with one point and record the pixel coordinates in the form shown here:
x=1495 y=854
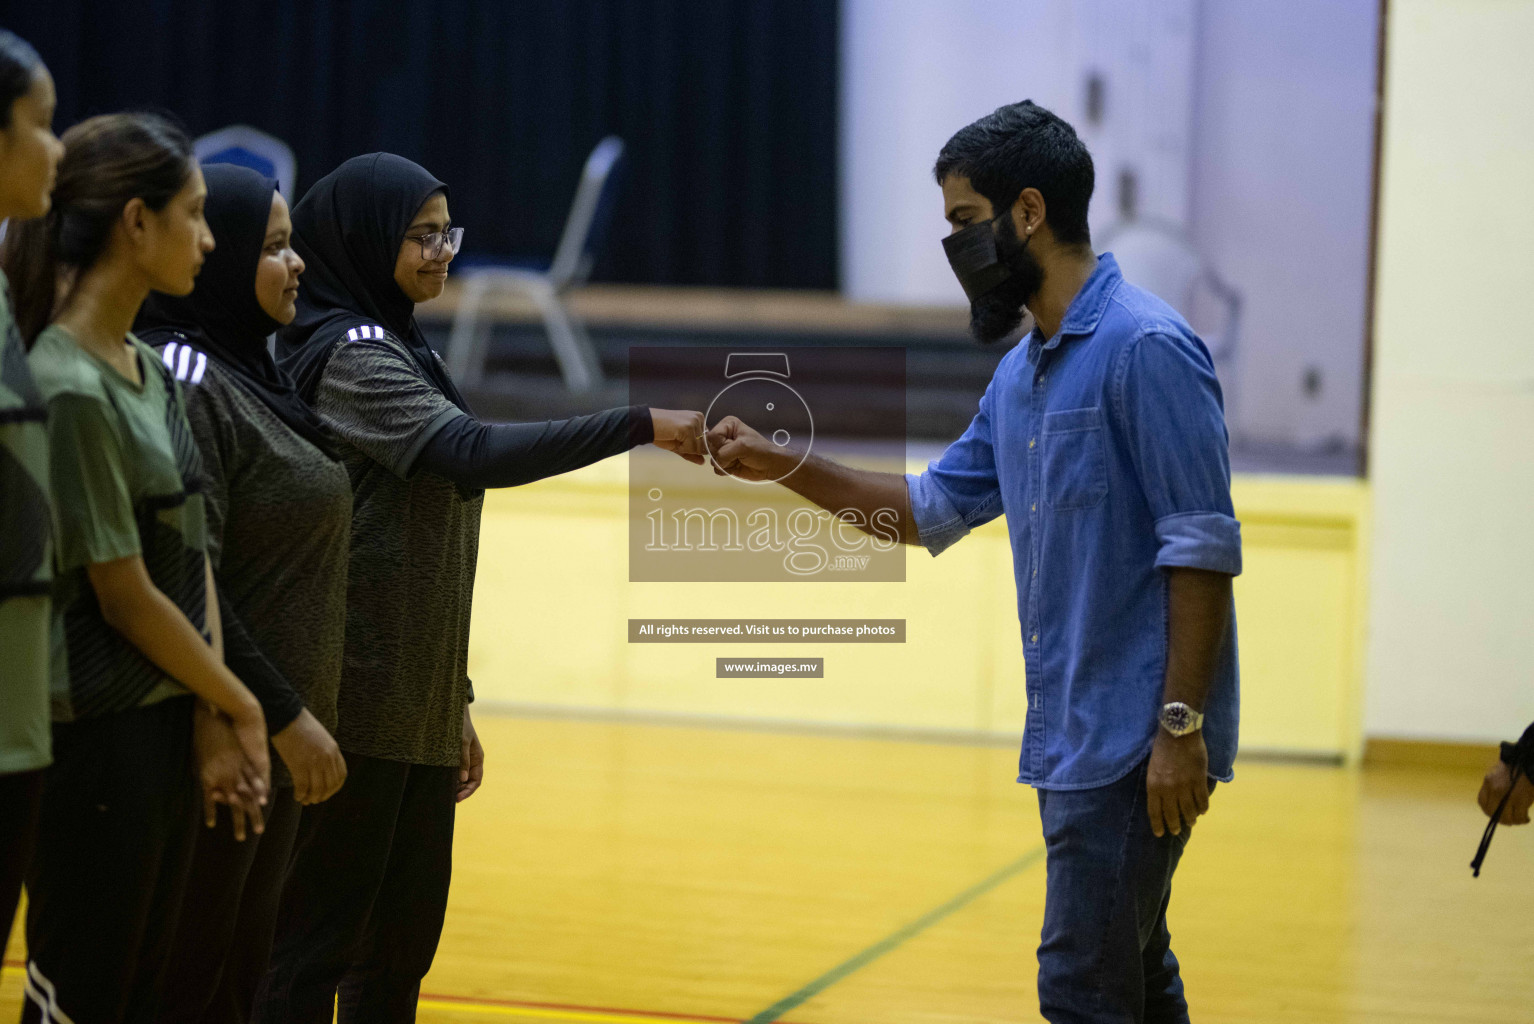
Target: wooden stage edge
x=717 y=308
x=1386 y=752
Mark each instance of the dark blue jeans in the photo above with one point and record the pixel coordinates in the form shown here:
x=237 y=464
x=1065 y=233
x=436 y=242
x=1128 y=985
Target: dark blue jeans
x=1106 y=955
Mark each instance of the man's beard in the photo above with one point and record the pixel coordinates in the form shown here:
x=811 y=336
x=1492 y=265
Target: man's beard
x=996 y=314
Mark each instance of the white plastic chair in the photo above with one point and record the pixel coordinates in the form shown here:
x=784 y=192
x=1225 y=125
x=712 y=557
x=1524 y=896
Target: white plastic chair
x=250 y=147
x=1159 y=258
x=469 y=342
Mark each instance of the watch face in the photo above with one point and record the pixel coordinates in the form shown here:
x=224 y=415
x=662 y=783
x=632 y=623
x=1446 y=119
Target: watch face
x=772 y=409
x=1176 y=718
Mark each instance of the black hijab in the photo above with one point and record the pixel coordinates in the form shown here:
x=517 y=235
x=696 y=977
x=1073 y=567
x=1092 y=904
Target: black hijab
x=222 y=316
x=349 y=228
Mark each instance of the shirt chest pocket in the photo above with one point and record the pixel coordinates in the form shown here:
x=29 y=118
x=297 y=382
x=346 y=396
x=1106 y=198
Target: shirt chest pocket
x=1075 y=468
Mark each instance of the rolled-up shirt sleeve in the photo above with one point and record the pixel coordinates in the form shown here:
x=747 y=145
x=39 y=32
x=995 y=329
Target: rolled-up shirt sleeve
x=959 y=491
x=1168 y=404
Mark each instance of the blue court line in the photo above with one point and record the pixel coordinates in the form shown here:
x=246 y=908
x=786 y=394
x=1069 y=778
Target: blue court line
x=895 y=939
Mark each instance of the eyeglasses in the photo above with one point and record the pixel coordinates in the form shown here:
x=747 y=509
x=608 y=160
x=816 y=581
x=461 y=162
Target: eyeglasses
x=433 y=245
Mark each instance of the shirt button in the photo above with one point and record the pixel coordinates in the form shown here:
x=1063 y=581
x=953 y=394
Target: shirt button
x=1035 y=638
x=1034 y=507
x=1031 y=442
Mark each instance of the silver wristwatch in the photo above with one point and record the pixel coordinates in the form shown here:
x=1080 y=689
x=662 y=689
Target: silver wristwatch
x=1179 y=719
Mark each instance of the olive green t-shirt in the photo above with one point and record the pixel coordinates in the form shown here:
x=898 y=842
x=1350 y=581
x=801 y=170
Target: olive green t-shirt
x=126 y=481
x=26 y=556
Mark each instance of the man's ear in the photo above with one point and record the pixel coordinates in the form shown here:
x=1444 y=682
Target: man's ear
x=1028 y=212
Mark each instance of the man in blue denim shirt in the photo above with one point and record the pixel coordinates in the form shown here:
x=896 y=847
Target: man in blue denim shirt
x=1102 y=440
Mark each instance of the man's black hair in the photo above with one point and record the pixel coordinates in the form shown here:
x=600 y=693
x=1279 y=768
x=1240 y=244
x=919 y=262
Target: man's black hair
x=1020 y=146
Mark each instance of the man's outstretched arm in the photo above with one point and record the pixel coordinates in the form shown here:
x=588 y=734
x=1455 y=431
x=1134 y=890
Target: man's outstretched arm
x=742 y=452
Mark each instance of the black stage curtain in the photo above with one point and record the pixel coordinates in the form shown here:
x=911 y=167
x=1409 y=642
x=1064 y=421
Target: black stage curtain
x=728 y=108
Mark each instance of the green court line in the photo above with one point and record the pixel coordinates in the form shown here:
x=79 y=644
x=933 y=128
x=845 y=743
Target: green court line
x=895 y=939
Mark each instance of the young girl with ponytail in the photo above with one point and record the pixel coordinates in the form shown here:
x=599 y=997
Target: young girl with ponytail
x=135 y=612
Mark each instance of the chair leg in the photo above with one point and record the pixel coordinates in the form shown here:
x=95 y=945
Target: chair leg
x=462 y=340
x=572 y=346
x=479 y=345
x=583 y=343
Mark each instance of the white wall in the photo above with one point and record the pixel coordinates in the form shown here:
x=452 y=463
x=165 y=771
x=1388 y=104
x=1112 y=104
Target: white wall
x=1451 y=652
x=1249 y=123
x=1282 y=183
x=916 y=71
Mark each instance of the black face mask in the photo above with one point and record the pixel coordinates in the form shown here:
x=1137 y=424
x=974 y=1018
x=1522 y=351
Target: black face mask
x=975 y=256
x=997 y=273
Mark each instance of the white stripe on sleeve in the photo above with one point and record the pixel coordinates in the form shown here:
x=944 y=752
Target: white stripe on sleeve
x=200 y=368
x=184 y=362
x=168 y=357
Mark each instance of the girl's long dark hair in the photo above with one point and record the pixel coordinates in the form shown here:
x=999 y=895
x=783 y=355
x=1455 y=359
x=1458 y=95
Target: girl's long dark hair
x=108 y=161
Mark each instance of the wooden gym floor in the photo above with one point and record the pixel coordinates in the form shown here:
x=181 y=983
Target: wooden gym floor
x=653 y=874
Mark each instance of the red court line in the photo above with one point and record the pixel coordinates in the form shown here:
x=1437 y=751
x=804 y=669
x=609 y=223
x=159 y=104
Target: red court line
x=579 y=1007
